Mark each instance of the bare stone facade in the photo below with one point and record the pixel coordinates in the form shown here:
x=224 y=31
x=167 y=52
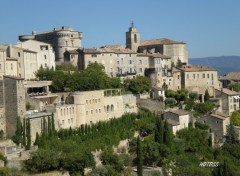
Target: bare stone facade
x=61 y=39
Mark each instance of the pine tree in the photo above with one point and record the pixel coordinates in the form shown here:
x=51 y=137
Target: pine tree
x=139 y=158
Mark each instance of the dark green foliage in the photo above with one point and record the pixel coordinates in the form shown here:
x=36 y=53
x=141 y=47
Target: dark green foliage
x=203 y=108
x=92 y=78
x=231 y=135
x=66 y=67
x=179 y=63
x=17 y=138
x=139 y=158
x=193 y=95
x=206 y=96
x=201 y=126
x=28 y=106
x=24 y=133
x=158 y=131
x=138 y=85
x=167 y=134
x=170 y=101
x=234 y=86
x=28 y=134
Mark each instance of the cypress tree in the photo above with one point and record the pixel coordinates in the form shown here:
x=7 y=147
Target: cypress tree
x=24 y=133
x=28 y=131
x=86 y=129
x=37 y=139
x=167 y=134
x=231 y=135
x=206 y=96
x=139 y=158
x=17 y=138
x=158 y=131
x=53 y=123
x=49 y=125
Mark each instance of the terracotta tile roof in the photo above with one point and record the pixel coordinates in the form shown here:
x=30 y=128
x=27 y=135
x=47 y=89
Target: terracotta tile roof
x=231 y=76
x=163 y=41
x=190 y=68
x=90 y=51
x=219 y=116
x=228 y=91
x=108 y=50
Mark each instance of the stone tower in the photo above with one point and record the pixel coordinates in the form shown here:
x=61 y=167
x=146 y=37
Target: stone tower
x=132 y=38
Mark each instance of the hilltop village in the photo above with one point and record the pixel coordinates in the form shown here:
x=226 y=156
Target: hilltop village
x=50 y=83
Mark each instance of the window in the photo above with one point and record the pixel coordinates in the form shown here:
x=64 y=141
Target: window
x=99 y=110
x=68 y=120
x=45 y=56
x=178 y=76
x=63 y=122
x=135 y=38
x=203 y=75
x=66 y=43
x=216 y=121
x=130 y=55
x=72 y=120
x=11 y=66
x=140 y=70
x=118 y=62
x=86 y=101
x=140 y=62
x=91 y=111
x=19 y=54
x=112 y=108
x=130 y=61
x=86 y=112
x=96 y=111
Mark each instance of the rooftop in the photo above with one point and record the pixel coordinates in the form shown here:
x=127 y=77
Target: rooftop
x=228 y=91
x=179 y=112
x=13 y=77
x=162 y=41
x=231 y=76
x=190 y=68
x=107 y=50
x=155 y=55
x=173 y=122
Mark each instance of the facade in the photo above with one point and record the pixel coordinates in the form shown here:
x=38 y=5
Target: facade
x=61 y=39
x=45 y=53
x=229 y=100
x=233 y=77
x=174 y=49
x=177 y=119
x=12 y=103
x=117 y=62
x=217 y=123
x=199 y=79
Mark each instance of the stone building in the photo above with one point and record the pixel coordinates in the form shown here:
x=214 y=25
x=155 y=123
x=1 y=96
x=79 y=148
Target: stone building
x=229 y=100
x=61 y=39
x=217 y=123
x=233 y=77
x=177 y=119
x=19 y=62
x=12 y=103
x=174 y=49
x=198 y=79
x=45 y=53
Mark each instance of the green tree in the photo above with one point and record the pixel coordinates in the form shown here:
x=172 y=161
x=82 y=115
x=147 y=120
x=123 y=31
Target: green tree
x=234 y=86
x=193 y=95
x=28 y=132
x=235 y=118
x=231 y=135
x=24 y=133
x=167 y=135
x=179 y=63
x=139 y=158
x=138 y=85
x=158 y=131
x=66 y=67
x=17 y=138
x=206 y=96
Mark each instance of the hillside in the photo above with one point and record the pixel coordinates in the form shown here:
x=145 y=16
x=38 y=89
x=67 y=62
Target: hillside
x=224 y=64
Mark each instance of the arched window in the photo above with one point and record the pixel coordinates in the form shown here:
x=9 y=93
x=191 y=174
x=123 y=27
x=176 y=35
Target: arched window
x=108 y=108
x=135 y=38
x=61 y=112
x=112 y=108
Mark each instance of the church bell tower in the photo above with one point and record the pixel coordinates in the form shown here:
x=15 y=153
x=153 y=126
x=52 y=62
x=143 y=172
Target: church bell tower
x=132 y=38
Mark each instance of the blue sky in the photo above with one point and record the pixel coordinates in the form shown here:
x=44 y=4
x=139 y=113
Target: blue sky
x=209 y=27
